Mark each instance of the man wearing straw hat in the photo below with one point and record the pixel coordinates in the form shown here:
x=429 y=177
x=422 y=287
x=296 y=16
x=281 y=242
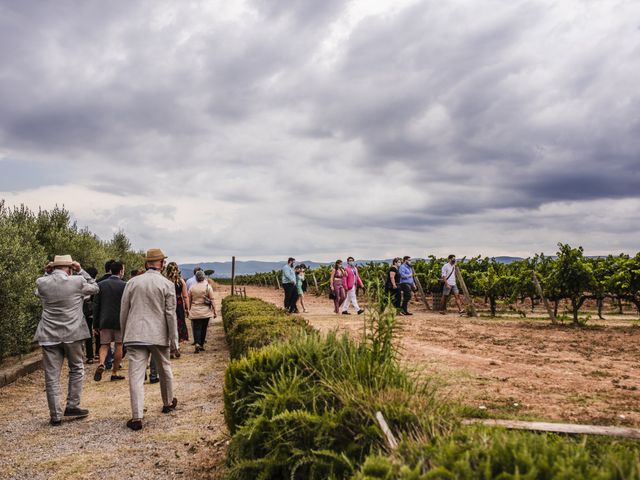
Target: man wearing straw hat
x=149 y=327
x=62 y=331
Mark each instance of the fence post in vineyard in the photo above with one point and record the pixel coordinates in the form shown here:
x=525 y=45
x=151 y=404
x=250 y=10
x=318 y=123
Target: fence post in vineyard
x=421 y=291
x=233 y=275
x=315 y=280
x=465 y=290
x=277 y=282
x=536 y=284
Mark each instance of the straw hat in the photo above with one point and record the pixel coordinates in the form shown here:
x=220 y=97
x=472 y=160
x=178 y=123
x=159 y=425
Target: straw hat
x=154 y=254
x=62 y=261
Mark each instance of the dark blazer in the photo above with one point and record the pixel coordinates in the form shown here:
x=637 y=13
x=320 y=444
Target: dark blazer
x=106 y=304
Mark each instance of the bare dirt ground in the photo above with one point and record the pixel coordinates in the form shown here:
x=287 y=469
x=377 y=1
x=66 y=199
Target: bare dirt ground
x=521 y=368
x=188 y=443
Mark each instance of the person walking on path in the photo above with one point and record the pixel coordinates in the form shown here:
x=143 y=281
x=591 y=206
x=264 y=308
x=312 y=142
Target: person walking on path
x=108 y=362
x=407 y=284
x=351 y=282
x=106 y=312
x=392 y=285
x=191 y=281
x=62 y=331
x=449 y=285
x=301 y=286
x=149 y=327
x=87 y=310
x=203 y=308
x=336 y=284
x=289 y=286
x=182 y=300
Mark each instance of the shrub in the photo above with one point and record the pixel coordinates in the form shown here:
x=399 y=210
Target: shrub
x=305 y=407
x=481 y=453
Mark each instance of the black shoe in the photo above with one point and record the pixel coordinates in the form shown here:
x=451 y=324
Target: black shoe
x=360 y=312
x=169 y=408
x=55 y=423
x=115 y=378
x=408 y=313
x=134 y=424
x=99 y=371
x=154 y=380
x=75 y=412
x=346 y=313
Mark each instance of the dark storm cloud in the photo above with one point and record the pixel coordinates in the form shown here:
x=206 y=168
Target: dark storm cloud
x=271 y=115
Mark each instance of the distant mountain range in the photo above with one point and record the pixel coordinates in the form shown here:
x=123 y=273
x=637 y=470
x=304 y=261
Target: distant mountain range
x=249 y=267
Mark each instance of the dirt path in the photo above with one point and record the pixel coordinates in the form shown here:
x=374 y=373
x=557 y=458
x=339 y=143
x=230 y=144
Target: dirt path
x=512 y=366
x=188 y=443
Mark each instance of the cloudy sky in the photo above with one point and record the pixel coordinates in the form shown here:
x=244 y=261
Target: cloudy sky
x=327 y=128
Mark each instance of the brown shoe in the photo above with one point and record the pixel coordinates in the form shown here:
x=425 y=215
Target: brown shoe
x=99 y=371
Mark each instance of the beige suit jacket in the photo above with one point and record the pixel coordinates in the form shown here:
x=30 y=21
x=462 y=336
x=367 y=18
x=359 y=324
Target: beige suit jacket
x=148 y=311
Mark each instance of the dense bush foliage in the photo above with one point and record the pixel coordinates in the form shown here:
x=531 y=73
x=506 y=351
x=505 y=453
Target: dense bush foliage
x=304 y=408
x=481 y=453
x=568 y=276
x=27 y=241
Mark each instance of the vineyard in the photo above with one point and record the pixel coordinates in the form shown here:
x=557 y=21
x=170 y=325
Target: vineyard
x=569 y=280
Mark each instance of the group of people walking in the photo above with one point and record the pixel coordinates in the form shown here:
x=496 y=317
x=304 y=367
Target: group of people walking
x=345 y=280
x=401 y=284
x=144 y=318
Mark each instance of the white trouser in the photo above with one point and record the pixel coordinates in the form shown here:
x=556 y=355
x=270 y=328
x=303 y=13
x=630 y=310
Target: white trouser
x=351 y=299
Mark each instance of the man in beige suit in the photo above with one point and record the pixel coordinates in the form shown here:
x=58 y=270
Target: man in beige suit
x=149 y=327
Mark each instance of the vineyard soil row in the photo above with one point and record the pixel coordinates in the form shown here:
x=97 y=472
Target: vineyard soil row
x=515 y=368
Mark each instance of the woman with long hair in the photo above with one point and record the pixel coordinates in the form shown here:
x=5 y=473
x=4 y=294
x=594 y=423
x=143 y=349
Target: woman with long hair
x=336 y=283
x=182 y=299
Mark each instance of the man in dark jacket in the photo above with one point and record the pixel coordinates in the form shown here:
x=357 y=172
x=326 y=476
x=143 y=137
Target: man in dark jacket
x=106 y=315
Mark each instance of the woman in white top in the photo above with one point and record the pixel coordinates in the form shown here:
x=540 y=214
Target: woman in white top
x=202 y=309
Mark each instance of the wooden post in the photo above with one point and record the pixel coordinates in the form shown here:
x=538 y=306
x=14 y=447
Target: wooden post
x=233 y=275
x=465 y=290
x=277 y=282
x=576 y=429
x=315 y=280
x=536 y=284
x=391 y=440
x=421 y=291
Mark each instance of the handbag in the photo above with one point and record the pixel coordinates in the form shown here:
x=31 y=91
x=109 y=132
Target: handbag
x=332 y=296
x=207 y=300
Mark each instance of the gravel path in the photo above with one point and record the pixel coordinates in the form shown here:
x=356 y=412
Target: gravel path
x=188 y=443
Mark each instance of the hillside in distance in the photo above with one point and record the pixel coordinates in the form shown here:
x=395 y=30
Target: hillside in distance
x=249 y=267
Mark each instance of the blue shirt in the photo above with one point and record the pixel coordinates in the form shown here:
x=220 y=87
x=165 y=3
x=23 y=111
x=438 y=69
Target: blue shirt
x=406 y=274
x=288 y=274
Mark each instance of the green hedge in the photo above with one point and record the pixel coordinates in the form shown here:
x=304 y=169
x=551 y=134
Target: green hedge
x=303 y=407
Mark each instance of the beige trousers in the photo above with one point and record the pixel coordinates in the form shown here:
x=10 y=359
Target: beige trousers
x=138 y=356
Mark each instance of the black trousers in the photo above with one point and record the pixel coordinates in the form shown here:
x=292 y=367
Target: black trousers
x=405 y=288
x=290 y=296
x=200 y=330
x=394 y=296
x=88 y=343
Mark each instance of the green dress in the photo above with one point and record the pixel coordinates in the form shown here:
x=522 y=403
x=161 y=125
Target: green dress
x=299 y=280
